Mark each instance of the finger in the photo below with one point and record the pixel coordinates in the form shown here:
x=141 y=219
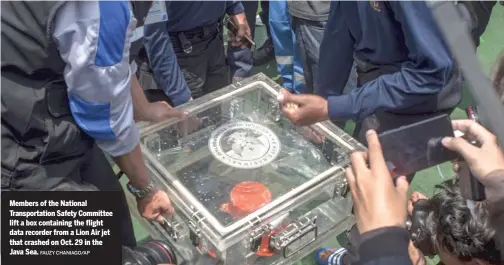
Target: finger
x=292 y=115
x=455 y=167
x=165 y=103
x=421 y=196
x=358 y=161
x=402 y=188
x=376 y=160
x=173 y=113
x=351 y=183
x=168 y=209
x=474 y=129
x=461 y=146
x=410 y=207
x=286 y=97
x=160 y=219
x=281 y=96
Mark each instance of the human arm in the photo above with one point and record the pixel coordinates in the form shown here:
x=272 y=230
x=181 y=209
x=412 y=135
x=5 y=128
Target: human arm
x=146 y=111
x=163 y=61
x=234 y=7
x=427 y=70
x=337 y=49
x=236 y=14
x=93 y=41
x=372 y=251
x=380 y=206
x=487 y=164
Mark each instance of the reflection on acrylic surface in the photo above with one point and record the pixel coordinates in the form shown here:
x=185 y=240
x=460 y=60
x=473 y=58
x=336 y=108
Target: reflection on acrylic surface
x=247 y=133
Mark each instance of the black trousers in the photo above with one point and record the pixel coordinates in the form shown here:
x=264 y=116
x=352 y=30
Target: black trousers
x=205 y=67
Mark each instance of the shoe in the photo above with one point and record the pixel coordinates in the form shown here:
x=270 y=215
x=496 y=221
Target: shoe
x=330 y=256
x=264 y=54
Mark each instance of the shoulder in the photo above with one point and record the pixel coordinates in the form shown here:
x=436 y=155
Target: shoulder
x=103 y=27
x=110 y=15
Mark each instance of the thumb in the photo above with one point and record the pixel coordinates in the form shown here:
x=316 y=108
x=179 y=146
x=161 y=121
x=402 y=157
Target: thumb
x=174 y=113
x=287 y=97
x=461 y=146
x=402 y=188
x=160 y=219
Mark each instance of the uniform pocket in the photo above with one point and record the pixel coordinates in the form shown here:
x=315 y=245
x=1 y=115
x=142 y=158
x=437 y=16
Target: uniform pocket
x=65 y=140
x=57 y=99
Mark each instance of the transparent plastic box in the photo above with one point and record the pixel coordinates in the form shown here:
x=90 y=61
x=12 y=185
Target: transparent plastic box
x=248 y=186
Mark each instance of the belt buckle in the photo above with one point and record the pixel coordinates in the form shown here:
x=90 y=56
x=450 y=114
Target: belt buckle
x=187 y=47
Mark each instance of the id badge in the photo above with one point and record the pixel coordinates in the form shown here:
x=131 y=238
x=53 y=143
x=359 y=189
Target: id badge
x=157 y=13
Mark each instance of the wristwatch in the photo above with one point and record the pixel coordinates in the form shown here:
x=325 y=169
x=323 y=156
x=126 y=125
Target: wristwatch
x=139 y=194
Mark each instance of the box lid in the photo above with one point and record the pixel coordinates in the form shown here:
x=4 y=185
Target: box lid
x=236 y=159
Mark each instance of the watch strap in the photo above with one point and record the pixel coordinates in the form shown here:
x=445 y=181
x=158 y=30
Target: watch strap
x=141 y=193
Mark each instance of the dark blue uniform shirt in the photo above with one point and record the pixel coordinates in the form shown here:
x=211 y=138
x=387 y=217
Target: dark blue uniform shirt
x=182 y=16
x=401 y=33
x=187 y=15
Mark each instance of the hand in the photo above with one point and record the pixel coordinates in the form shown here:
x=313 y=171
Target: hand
x=377 y=202
x=303 y=109
x=160 y=111
x=415 y=196
x=188 y=125
x=416 y=256
x=481 y=160
x=238 y=40
x=155 y=205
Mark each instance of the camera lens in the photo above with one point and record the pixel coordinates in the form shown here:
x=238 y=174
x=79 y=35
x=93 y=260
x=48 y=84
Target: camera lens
x=150 y=253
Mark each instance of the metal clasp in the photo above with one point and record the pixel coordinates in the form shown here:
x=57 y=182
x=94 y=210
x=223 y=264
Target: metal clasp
x=171 y=228
x=295 y=232
x=185 y=43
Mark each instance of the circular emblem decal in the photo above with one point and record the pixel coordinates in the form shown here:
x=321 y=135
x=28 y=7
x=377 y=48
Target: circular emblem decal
x=244 y=145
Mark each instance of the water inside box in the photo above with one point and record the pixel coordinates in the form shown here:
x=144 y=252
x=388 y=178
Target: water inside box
x=302 y=154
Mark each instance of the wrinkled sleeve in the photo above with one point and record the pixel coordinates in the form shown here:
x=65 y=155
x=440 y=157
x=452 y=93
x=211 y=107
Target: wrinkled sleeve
x=93 y=39
x=372 y=251
x=427 y=70
x=336 y=63
x=163 y=61
x=234 y=7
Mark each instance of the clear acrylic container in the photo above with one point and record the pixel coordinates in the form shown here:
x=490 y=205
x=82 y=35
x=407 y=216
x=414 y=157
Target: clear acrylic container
x=248 y=186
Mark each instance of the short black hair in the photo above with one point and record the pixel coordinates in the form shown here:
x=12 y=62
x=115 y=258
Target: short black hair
x=455 y=229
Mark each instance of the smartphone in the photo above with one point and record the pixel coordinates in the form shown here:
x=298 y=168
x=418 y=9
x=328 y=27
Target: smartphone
x=234 y=29
x=417 y=146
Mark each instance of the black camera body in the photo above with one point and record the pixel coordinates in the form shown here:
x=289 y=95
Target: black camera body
x=419 y=235
x=149 y=253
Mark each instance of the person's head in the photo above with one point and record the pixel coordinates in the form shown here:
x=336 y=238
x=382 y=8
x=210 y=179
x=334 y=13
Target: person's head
x=459 y=236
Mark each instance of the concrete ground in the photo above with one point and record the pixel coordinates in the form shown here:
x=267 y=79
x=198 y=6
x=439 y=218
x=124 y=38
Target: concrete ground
x=492 y=44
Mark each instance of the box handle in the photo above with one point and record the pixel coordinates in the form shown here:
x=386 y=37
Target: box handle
x=293 y=233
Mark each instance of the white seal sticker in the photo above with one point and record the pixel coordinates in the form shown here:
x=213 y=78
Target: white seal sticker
x=157 y=13
x=244 y=145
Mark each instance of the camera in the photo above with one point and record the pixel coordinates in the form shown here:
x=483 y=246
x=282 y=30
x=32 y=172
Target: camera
x=419 y=235
x=153 y=252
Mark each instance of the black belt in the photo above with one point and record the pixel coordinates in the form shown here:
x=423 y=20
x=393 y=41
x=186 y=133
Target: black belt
x=185 y=39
